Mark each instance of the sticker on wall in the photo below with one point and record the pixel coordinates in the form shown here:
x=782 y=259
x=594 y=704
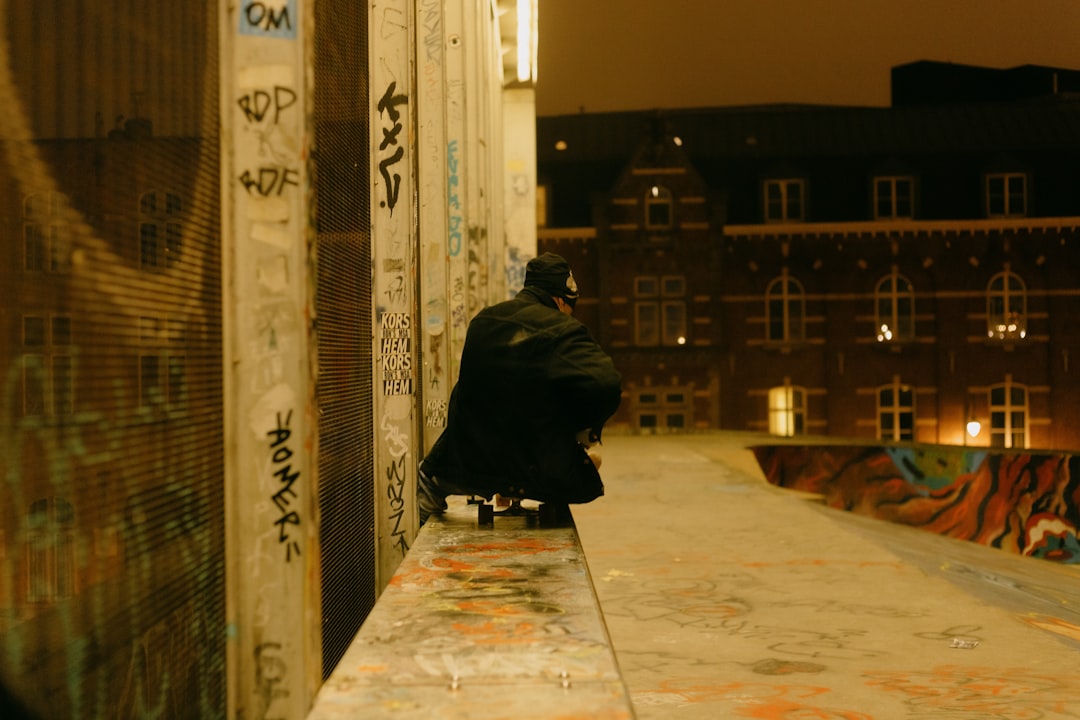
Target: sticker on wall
x=395 y=351
x=269 y=18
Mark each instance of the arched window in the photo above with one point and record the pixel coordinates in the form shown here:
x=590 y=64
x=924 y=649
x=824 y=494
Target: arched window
x=785 y=310
x=1008 y=414
x=1006 y=307
x=787 y=410
x=894 y=309
x=895 y=412
x=659 y=208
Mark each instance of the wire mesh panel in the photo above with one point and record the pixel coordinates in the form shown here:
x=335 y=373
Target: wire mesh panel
x=343 y=300
x=111 y=523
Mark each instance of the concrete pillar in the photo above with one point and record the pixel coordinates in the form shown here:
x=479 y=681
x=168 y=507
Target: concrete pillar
x=519 y=184
x=394 y=237
x=434 y=331
x=272 y=565
x=457 y=228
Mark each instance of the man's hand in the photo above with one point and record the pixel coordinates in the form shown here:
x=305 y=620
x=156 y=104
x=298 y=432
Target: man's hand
x=595 y=457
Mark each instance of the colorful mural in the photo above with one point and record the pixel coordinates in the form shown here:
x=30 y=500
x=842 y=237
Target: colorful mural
x=1025 y=503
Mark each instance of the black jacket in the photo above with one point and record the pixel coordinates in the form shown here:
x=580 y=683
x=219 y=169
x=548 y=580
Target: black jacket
x=531 y=378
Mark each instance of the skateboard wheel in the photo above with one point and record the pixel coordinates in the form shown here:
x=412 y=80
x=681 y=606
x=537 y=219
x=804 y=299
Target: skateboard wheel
x=553 y=514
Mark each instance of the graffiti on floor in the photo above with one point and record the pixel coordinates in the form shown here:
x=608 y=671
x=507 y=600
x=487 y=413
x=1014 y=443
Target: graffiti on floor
x=765 y=701
x=1025 y=503
x=955 y=691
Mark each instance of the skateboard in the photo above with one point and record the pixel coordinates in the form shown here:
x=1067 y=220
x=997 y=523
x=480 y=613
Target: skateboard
x=547 y=514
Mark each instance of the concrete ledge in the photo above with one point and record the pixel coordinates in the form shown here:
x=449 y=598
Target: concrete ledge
x=480 y=622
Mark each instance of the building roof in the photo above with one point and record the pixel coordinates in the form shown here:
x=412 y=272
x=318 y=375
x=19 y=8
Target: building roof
x=812 y=130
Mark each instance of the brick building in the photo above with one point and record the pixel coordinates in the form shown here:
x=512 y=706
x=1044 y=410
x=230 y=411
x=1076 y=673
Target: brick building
x=894 y=273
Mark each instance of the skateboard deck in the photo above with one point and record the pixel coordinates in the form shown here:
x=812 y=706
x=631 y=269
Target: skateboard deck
x=546 y=514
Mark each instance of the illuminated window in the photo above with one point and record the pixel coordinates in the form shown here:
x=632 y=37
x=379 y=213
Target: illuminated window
x=660 y=310
x=50 y=550
x=784 y=200
x=893 y=197
x=1006 y=307
x=160 y=230
x=785 y=310
x=894 y=304
x=895 y=412
x=787 y=411
x=1008 y=415
x=1006 y=194
x=658 y=208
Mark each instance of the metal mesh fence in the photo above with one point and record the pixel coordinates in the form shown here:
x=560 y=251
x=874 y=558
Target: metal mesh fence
x=343 y=303
x=111 y=527
x=112 y=521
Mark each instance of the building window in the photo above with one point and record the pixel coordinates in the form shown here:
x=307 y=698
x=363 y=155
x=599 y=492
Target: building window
x=44 y=248
x=893 y=197
x=894 y=309
x=663 y=409
x=660 y=310
x=784 y=200
x=659 y=208
x=785 y=310
x=160 y=230
x=787 y=410
x=162 y=364
x=896 y=412
x=1008 y=415
x=50 y=550
x=1006 y=194
x=47 y=374
x=1006 y=307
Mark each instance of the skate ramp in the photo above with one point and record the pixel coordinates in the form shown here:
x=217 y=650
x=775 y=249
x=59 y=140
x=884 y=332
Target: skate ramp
x=1021 y=502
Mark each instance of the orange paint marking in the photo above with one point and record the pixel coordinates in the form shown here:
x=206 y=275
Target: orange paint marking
x=491 y=633
x=769 y=702
x=520 y=546
x=1054 y=625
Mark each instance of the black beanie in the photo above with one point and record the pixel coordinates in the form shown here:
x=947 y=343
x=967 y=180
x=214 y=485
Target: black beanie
x=551 y=273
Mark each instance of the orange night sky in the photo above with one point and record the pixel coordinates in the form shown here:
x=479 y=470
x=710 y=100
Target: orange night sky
x=640 y=54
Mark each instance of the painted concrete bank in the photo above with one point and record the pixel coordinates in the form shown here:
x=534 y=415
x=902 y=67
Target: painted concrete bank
x=482 y=623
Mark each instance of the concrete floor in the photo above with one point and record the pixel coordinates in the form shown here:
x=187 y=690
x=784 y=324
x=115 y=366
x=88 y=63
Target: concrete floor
x=726 y=597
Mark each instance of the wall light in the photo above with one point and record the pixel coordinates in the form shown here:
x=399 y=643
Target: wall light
x=524 y=40
x=973 y=428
